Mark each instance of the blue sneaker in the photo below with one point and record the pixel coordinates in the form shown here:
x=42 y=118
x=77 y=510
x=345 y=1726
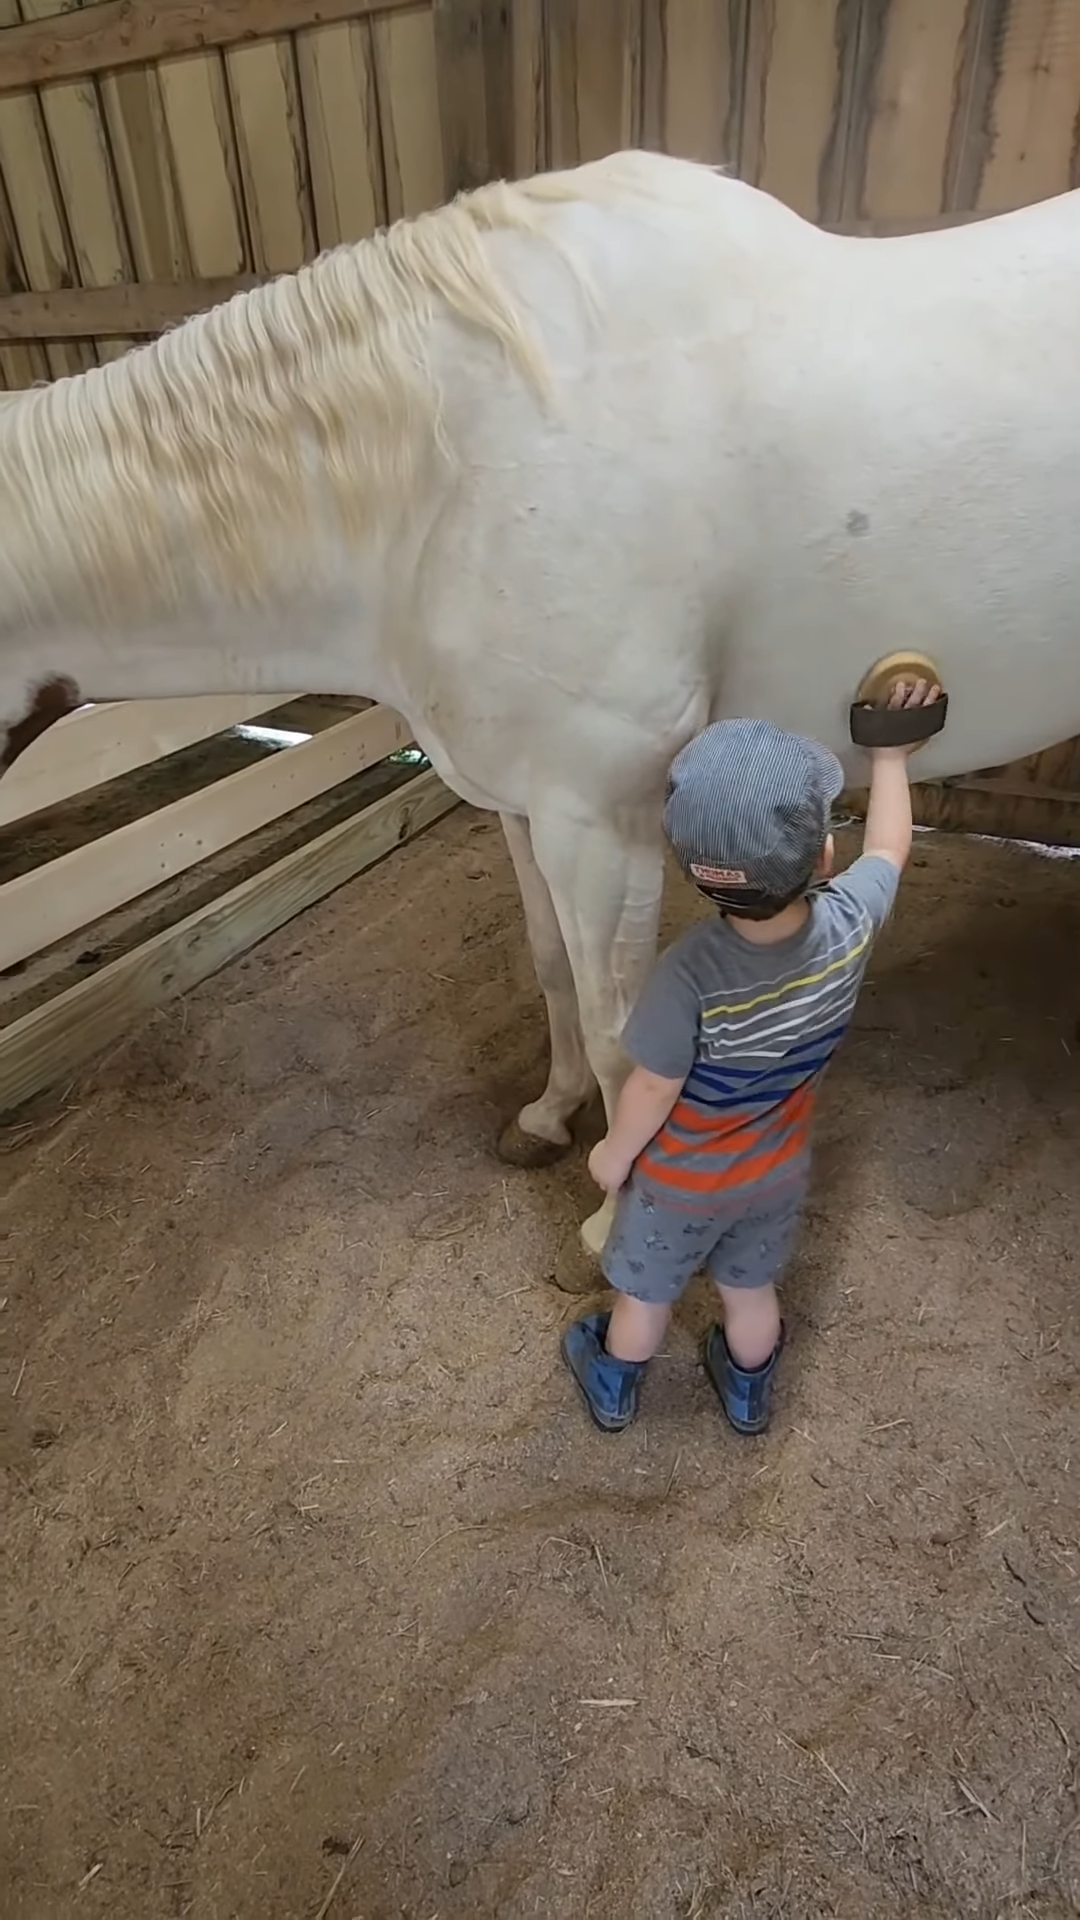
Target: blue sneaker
x=744 y=1393
x=610 y=1387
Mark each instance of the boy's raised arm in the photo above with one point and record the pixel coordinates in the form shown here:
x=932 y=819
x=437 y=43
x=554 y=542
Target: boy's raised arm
x=888 y=818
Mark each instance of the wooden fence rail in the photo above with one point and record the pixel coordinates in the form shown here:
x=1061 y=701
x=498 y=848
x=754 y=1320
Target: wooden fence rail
x=103 y=742
x=43 y=906
x=69 y=893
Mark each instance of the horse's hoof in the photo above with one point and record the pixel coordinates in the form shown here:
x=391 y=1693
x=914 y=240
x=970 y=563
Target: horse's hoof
x=528 y=1150
x=577 y=1270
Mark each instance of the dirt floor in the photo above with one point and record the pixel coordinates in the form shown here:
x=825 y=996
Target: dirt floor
x=324 y=1600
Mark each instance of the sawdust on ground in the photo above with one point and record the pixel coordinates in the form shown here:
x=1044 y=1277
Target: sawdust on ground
x=324 y=1599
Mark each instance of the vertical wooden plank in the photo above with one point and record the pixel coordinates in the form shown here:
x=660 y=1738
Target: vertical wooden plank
x=564 y=144
x=24 y=366
x=84 y=170
x=798 y=67
x=143 y=160
x=499 y=87
x=693 y=53
x=337 y=86
x=654 y=74
x=1054 y=766
x=268 y=120
x=198 y=127
x=474 y=62
x=19 y=366
x=463 y=104
x=37 y=216
x=902 y=124
x=529 y=88
x=594 y=62
x=1034 y=108
x=971 y=133
x=409 y=112
x=1069 y=768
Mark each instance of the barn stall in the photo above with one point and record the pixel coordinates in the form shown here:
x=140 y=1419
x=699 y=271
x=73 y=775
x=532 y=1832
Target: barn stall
x=322 y=1598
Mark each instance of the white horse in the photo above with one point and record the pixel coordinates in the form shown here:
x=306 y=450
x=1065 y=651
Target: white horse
x=562 y=472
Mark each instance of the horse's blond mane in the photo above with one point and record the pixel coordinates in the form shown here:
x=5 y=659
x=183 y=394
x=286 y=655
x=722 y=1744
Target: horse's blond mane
x=232 y=449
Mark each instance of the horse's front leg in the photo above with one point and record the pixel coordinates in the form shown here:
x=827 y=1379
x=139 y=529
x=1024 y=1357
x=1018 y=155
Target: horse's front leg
x=606 y=883
x=541 y=1132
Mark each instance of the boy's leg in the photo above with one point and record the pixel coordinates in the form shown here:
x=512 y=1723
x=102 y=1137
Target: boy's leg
x=741 y=1355
x=637 y=1327
x=751 y=1323
x=649 y=1258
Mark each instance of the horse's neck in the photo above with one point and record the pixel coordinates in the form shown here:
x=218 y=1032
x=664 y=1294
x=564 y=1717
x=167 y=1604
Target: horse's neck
x=321 y=645
x=171 y=630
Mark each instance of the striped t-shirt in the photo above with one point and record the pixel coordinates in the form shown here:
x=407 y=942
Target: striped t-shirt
x=750 y=1030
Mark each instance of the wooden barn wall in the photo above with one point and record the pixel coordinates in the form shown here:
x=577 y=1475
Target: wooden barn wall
x=874 y=115
x=156 y=157
x=198 y=170
x=152 y=156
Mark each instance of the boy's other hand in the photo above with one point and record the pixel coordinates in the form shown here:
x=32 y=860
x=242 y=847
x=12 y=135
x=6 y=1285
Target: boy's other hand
x=608 y=1169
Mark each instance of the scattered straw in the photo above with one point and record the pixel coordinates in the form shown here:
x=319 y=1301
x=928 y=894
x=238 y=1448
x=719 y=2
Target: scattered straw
x=813 y=1754
x=202 y=1820
x=973 y=1799
x=337 y=1880
x=479 y=1526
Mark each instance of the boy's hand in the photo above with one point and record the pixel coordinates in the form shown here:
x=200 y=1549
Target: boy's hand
x=607 y=1168
x=907 y=693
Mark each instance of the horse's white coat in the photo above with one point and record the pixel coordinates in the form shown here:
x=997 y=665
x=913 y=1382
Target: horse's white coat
x=771 y=455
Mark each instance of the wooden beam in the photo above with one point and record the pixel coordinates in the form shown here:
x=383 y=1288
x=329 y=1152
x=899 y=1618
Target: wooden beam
x=1000 y=809
x=44 y=905
x=128 y=33
x=140 y=307
x=46 y=1045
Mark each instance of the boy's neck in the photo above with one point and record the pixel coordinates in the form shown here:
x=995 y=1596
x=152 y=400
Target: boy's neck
x=768 y=933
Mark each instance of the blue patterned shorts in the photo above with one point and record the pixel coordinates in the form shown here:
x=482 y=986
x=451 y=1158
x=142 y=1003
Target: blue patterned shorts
x=654 y=1249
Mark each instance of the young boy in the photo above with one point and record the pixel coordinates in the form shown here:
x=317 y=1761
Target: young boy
x=709 y=1149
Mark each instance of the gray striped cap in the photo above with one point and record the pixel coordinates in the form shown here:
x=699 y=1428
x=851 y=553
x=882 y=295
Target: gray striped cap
x=748 y=807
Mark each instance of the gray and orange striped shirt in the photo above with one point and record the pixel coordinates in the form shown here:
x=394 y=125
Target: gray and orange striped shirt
x=750 y=1030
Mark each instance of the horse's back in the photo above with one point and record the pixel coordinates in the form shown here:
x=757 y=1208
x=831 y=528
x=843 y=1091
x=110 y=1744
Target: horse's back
x=769 y=454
